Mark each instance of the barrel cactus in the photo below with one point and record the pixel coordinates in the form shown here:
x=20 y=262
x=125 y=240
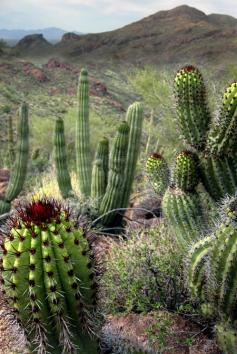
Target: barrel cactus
x=48 y=277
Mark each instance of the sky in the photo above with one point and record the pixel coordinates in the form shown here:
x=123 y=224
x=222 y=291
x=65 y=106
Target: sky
x=94 y=15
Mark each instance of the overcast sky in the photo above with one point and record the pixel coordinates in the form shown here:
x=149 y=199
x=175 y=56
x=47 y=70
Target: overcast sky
x=94 y=15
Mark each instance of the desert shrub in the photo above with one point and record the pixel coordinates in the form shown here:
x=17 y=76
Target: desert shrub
x=144 y=273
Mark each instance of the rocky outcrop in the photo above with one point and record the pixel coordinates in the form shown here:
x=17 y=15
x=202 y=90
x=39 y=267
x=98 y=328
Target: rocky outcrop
x=34 y=44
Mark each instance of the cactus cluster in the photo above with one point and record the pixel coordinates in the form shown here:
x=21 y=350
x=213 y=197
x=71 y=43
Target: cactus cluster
x=19 y=168
x=210 y=161
x=48 y=275
x=108 y=180
x=212 y=275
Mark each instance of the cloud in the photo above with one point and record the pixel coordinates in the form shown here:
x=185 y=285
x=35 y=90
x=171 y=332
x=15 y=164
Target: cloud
x=94 y=15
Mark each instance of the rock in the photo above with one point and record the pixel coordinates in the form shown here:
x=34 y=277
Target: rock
x=70 y=36
x=37 y=73
x=97 y=88
x=54 y=63
x=33 y=44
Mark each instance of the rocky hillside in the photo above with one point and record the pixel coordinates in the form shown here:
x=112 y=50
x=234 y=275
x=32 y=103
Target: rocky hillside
x=34 y=44
x=181 y=34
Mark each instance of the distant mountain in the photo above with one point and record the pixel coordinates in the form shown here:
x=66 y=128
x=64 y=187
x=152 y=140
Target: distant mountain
x=183 y=34
x=177 y=35
x=51 y=34
x=34 y=44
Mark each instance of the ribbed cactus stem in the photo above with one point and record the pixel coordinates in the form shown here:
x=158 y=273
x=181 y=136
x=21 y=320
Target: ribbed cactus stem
x=113 y=196
x=185 y=174
x=11 y=150
x=98 y=186
x=222 y=135
x=158 y=173
x=83 y=153
x=63 y=176
x=48 y=276
x=184 y=212
x=226 y=337
x=19 y=169
x=193 y=113
x=102 y=153
x=134 y=119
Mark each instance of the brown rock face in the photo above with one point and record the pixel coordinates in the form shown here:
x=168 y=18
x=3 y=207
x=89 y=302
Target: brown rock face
x=54 y=63
x=70 y=36
x=37 y=73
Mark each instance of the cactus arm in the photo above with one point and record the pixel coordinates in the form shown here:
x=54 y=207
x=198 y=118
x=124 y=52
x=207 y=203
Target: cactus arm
x=102 y=153
x=113 y=196
x=98 y=185
x=134 y=119
x=185 y=174
x=20 y=167
x=83 y=154
x=192 y=110
x=63 y=176
x=221 y=138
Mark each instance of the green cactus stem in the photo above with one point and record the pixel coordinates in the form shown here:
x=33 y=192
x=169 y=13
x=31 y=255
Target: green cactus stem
x=185 y=174
x=158 y=173
x=226 y=337
x=222 y=135
x=113 y=196
x=83 y=154
x=184 y=212
x=102 y=153
x=192 y=110
x=134 y=119
x=63 y=176
x=219 y=175
x=11 y=150
x=98 y=186
x=48 y=277
x=19 y=169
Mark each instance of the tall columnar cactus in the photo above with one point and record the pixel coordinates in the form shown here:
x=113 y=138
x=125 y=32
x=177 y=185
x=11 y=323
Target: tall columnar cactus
x=63 y=176
x=11 y=150
x=19 y=169
x=48 y=277
x=102 y=153
x=212 y=272
x=83 y=153
x=90 y=181
x=158 y=173
x=113 y=197
x=213 y=139
x=98 y=185
x=134 y=119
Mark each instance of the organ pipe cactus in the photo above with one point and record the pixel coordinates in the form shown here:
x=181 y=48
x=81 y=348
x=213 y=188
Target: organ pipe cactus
x=185 y=174
x=212 y=272
x=63 y=176
x=19 y=169
x=113 y=197
x=48 y=276
x=92 y=185
x=83 y=153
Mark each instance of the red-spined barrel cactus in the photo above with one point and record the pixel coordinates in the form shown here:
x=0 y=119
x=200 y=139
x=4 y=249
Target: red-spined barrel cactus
x=48 y=276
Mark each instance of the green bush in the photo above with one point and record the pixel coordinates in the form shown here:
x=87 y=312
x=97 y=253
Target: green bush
x=144 y=273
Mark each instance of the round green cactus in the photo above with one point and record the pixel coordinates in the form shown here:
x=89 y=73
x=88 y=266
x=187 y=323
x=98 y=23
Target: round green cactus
x=158 y=173
x=185 y=174
x=48 y=277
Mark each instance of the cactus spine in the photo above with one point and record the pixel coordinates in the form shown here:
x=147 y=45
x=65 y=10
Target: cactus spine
x=113 y=197
x=19 y=169
x=63 y=176
x=83 y=154
x=48 y=276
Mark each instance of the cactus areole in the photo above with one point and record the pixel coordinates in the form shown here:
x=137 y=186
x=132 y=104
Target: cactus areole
x=48 y=278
